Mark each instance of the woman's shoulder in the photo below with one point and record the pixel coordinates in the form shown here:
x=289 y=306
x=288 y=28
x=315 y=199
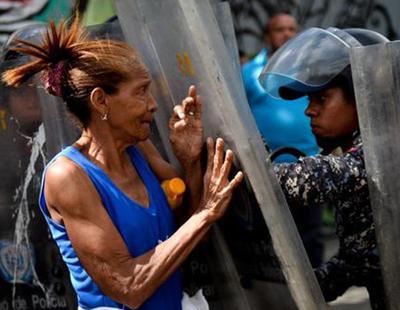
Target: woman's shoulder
x=68 y=187
x=64 y=175
x=62 y=168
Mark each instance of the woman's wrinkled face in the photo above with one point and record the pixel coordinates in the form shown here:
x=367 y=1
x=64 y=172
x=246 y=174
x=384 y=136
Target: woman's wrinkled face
x=131 y=109
x=332 y=114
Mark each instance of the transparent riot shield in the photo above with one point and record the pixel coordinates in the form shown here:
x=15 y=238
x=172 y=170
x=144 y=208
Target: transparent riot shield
x=204 y=269
x=376 y=76
x=249 y=247
x=32 y=273
x=182 y=45
x=222 y=12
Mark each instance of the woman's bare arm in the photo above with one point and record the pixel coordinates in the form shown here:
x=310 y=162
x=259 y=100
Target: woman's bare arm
x=162 y=169
x=103 y=253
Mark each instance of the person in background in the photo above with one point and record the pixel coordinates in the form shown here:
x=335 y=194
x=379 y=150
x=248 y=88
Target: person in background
x=339 y=180
x=101 y=197
x=283 y=124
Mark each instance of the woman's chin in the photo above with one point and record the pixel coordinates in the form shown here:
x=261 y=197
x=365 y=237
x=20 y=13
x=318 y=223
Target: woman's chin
x=142 y=137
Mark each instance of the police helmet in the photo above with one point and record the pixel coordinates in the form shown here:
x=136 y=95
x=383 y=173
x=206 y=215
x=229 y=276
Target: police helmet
x=313 y=60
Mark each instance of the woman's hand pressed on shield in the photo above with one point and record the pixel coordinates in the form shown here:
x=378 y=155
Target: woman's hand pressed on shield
x=186 y=129
x=217 y=188
x=186 y=136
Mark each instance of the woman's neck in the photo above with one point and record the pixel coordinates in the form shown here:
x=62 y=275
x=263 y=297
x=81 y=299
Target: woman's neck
x=100 y=146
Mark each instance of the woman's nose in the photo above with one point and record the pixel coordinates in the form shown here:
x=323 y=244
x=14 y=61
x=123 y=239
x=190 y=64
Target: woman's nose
x=152 y=104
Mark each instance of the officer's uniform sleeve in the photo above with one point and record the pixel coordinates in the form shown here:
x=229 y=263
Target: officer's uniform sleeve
x=321 y=179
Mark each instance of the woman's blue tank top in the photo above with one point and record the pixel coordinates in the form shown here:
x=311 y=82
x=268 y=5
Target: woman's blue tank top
x=141 y=229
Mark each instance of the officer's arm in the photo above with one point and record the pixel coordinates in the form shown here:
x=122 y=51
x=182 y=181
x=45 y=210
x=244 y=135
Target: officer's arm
x=321 y=179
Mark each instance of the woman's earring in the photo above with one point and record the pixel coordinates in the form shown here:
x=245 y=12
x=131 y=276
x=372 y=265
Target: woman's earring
x=104 y=117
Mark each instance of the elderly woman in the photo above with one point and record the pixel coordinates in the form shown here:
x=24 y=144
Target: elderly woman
x=101 y=197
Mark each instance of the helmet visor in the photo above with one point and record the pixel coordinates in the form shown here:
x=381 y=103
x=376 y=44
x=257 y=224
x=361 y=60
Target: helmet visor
x=307 y=62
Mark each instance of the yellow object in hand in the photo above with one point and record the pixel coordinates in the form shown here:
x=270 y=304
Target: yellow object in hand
x=174 y=190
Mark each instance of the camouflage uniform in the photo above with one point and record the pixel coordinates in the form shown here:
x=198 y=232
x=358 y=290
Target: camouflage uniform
x=340 y=181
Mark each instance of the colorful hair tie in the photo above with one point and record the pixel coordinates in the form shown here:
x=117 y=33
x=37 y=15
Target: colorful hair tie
x=53 y=80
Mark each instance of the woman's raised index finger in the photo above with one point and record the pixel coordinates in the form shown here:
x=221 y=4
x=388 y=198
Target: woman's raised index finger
x=192 y=91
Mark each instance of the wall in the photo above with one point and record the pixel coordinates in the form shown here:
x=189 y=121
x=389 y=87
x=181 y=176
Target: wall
x=250 y=17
